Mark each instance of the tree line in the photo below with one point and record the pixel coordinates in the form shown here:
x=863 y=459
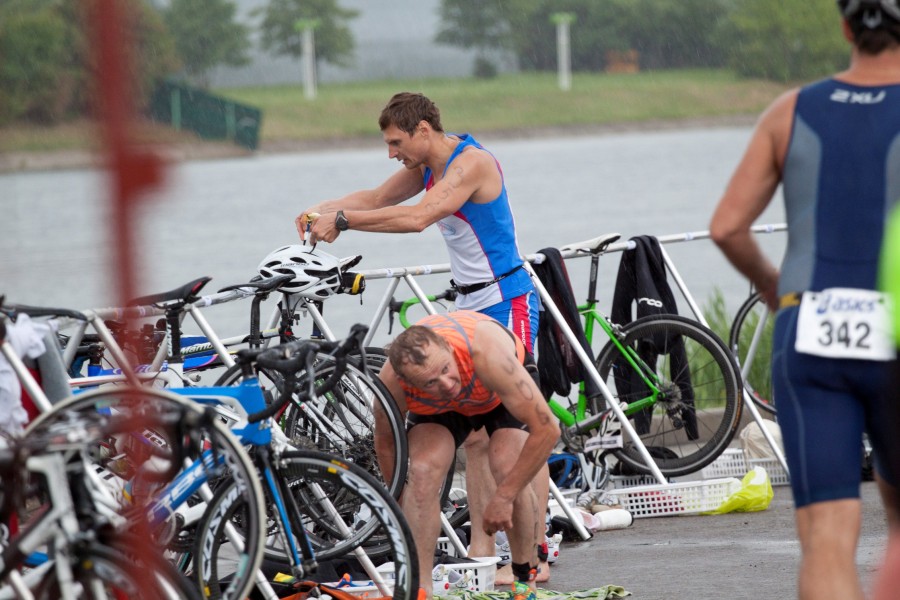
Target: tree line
x=46 y=63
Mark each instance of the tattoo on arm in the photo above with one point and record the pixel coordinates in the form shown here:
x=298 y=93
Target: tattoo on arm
x=525 y=389
x=452 y=184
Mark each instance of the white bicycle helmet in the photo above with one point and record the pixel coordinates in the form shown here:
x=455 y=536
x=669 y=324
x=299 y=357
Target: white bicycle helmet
x=317 y=274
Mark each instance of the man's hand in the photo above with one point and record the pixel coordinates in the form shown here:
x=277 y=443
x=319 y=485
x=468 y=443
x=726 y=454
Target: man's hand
x=497 y=515
x=314 y=229
x=304 y=223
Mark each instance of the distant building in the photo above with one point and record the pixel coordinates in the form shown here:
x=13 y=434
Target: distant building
x=394 y=40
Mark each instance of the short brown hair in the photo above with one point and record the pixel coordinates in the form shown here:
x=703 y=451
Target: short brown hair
x=406 y=109
x=874 y=30
x=408 y=347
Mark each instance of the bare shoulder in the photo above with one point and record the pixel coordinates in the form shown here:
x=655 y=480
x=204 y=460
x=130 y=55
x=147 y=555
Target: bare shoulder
x=780 y=113
x=492 y=343
x=477 y=168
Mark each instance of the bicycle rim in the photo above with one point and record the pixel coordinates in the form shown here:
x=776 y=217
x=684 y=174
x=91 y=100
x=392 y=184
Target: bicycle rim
x=226 y=462
x=454 y=498
x=104 y=573
x=698 y=411
x=342 y=423
x=756 y=366
x=229 y=544
x=346 y=514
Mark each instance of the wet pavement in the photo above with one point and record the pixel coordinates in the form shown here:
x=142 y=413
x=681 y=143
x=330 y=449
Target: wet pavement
x=746 y=556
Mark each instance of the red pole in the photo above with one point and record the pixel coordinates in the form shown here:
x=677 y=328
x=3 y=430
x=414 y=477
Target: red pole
x=132 y=172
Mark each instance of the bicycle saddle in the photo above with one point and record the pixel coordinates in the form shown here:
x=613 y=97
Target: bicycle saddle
x=595 y=245
x=186 y=293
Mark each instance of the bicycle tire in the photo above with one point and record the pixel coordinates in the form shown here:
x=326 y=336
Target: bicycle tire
x=362 y=510
x=350 y=412
x=454 y=498
x=758 y=379
x=234 y=465
x=106 y=573
x=695 y=419
x=341 y=422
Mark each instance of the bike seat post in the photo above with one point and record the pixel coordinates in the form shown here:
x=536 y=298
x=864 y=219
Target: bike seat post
x=592 y=283
x=173 y=324
x=316 y=332
x=255 y=339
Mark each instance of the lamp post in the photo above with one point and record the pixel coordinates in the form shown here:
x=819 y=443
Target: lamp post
x=562 y=20
x=308 y=50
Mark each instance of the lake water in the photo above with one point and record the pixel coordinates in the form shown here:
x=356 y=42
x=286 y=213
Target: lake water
x=220 y=218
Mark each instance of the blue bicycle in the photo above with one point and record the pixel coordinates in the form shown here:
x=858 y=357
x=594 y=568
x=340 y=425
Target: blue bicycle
x=314 y=507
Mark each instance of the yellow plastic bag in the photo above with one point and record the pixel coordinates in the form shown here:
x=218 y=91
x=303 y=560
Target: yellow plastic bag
x=755 y=494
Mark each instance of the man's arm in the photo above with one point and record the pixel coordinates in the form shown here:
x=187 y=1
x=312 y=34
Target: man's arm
x=748 y=194
x=384 y=441
x=472 y=173
x=400 y=186
x=498 y=367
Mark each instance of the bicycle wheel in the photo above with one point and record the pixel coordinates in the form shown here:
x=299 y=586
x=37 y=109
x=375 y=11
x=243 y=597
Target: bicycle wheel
x=454 y=498
x=342 y=422
x=129 y=464
x=343 y=513
x=106 y=573
x=754 y=322
x=696 y=414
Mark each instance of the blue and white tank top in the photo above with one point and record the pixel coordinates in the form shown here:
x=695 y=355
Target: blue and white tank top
x=481 y=241
x=841 y=179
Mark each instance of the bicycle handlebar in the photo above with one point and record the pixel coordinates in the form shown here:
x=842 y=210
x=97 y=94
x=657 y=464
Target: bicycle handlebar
x=295 y=357
x=400 y=307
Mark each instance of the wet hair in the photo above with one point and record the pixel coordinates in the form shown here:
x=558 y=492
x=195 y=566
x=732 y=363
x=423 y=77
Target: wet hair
x=407 y=109
x=874 y=27
x=409 y=347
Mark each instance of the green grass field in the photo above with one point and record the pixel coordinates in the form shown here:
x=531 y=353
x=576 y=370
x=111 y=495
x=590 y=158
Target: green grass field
x=506 y=103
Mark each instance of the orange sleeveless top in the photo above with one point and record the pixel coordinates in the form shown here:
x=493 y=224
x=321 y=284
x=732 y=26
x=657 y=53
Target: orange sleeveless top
x=458 y=328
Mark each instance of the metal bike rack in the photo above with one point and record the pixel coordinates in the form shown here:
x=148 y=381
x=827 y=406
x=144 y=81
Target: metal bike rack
x=410 y=273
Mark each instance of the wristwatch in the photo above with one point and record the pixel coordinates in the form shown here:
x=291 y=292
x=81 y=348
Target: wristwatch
x=341 y=222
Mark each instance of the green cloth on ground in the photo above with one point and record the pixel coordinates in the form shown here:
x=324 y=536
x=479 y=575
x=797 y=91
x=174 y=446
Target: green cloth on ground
x=607 y=592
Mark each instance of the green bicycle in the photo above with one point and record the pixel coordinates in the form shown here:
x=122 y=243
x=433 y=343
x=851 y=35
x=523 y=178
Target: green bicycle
x=673 y=378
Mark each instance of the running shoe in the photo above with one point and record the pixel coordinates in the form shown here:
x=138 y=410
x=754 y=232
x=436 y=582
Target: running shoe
x=440 y=577
x=501 y=548
x=553 y=547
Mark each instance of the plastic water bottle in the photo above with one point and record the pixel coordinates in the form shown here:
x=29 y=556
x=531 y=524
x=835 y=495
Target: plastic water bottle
x=614 y=518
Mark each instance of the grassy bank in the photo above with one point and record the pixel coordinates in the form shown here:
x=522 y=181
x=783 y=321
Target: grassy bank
x=507 y=103
x=511 y=102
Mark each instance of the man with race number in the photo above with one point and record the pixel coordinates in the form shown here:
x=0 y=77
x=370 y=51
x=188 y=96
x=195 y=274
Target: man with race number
x=834 y=146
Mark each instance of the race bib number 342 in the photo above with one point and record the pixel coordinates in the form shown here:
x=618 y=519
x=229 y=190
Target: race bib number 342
x=845 y=323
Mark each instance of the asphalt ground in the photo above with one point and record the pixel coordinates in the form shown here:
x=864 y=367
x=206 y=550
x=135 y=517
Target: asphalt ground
x=745 y=556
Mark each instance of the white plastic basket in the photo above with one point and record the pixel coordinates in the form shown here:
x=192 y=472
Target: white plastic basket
x=777 y=474
x=484 y=571
x=625 y=481
x=444 y=544
x=484 y=574
x=691 y=497
x=731 y=463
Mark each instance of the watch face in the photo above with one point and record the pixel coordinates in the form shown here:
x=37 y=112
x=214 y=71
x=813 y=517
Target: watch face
x=341 y=222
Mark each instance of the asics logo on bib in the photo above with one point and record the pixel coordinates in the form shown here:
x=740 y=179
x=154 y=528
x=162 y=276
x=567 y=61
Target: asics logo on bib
x=650 y=302
x=848 y=97
x=838 y=304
